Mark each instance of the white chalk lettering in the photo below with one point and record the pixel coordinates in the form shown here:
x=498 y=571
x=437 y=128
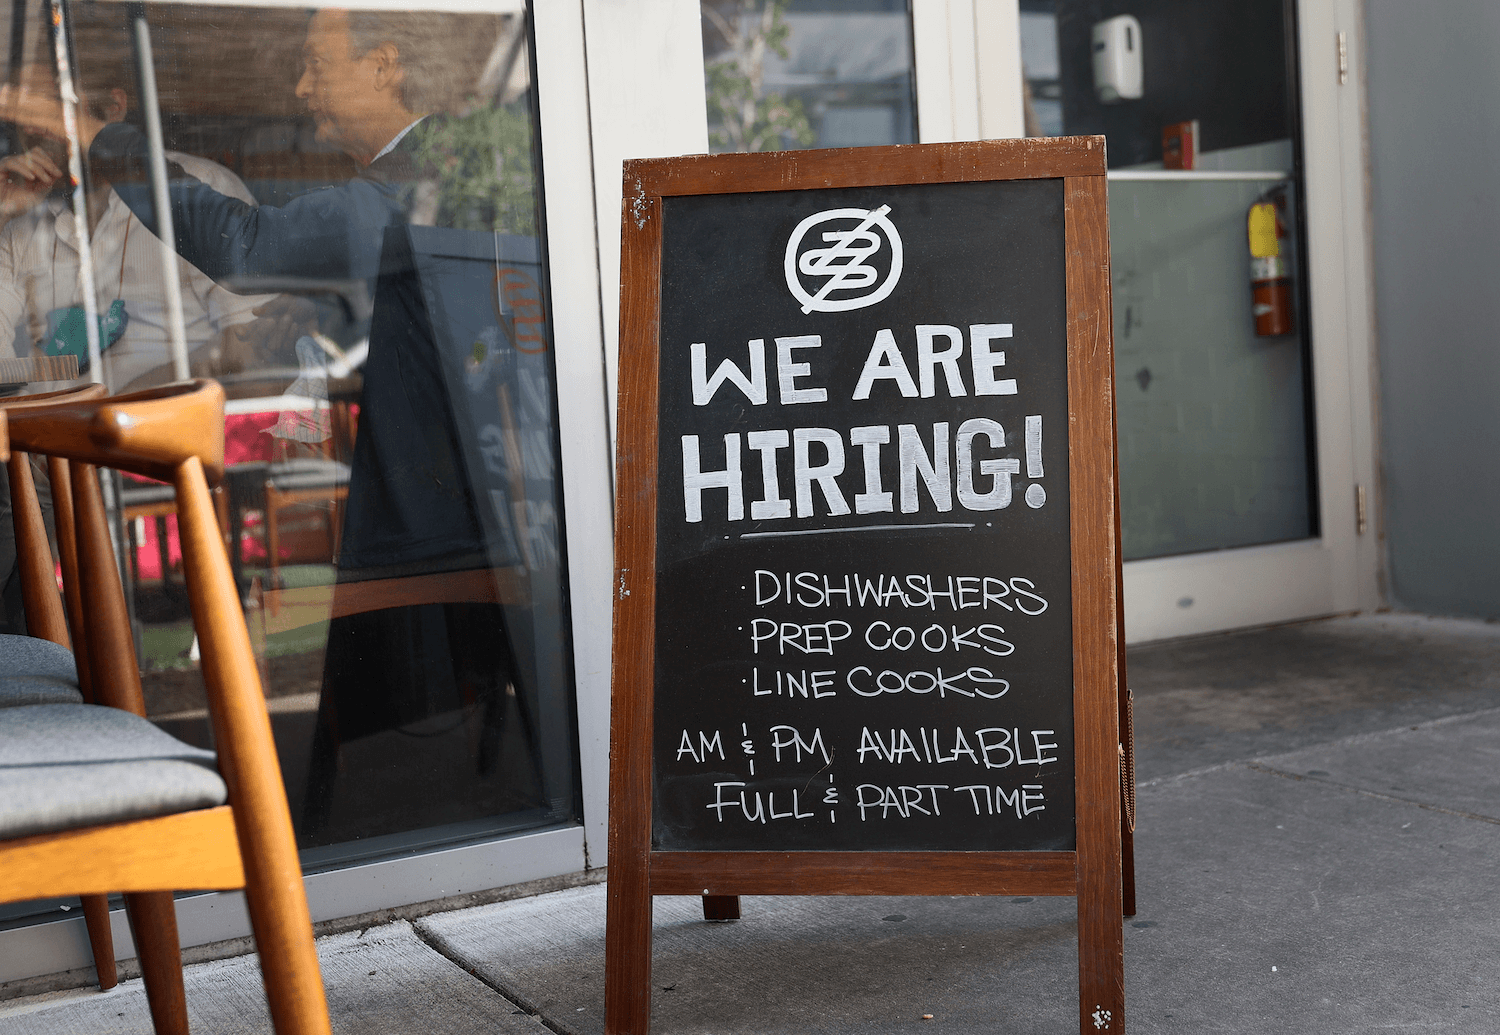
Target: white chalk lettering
x=805 y=473
x=803 y=684
x=998 y=496
x=928 y=359
x=905 y=799
x=772 y=505
x=999 y=739
x=885 y=362
x=971 y=682
x=695 y=479
x=1023 y=800
x=753 y=386
x=754 y=807
x=915 y=462
x=706 y=746
x=875 y=499
x=986 y=362
x=788 y=371
x=789 y=737
x=814 y=638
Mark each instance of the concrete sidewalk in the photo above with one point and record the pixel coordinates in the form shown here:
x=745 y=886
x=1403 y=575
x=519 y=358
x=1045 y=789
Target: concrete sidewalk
x=1318 y=849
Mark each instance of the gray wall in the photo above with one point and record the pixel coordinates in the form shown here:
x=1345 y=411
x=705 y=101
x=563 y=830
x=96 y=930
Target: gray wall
x=1434 y=96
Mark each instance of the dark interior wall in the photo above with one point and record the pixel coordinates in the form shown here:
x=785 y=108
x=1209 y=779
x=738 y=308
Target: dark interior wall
x=1222 y=62
x=1433 y=81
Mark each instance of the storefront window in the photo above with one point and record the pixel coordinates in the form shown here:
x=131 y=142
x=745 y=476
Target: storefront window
x=784 y=74
x=357 y=200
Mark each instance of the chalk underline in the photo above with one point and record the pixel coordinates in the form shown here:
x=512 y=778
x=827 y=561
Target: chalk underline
x=854 y=528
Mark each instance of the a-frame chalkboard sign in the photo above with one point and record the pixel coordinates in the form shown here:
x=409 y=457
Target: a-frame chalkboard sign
x=865 y=635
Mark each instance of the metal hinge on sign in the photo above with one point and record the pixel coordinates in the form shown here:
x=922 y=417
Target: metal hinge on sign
x=1361 y=515
x=1343 y=41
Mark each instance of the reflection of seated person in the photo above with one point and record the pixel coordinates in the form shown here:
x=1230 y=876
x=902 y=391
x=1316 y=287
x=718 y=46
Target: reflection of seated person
x=41 y=286
x=41 y=291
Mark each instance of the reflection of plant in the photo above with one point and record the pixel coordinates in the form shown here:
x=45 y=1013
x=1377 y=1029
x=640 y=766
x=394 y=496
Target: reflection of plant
x=741 y=117
x=481 y=166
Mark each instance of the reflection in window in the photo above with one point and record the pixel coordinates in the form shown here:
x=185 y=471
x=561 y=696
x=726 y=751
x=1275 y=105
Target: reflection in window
x=358 y=200
x=784 y=74
x=1039 y=64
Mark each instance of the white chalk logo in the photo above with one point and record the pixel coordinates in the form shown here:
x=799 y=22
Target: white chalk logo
x=842 y=264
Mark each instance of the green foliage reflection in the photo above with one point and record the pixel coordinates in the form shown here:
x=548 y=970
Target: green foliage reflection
x=481 y=174
x=741 y=116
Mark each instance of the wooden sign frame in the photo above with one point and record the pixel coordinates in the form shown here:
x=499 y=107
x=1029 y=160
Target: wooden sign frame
x=1093 y=872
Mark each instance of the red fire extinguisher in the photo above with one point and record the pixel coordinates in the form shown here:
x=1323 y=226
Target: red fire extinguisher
x=1270 y=281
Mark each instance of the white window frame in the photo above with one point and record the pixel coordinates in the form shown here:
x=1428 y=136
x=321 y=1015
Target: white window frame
x=968 y=69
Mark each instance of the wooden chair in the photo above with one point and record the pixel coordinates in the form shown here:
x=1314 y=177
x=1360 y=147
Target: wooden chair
x=40 y=668
x=170 y=816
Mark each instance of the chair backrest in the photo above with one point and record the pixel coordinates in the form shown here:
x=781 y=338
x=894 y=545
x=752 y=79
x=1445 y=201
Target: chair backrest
x=44 y=614
x=173 y=434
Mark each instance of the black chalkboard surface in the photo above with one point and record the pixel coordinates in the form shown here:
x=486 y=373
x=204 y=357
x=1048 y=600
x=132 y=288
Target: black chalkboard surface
x=866 y=635
x=878 y=658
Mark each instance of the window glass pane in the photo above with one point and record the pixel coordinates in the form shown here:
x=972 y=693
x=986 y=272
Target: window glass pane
x=357 y=200
x=783 y=74
x=1210 y=316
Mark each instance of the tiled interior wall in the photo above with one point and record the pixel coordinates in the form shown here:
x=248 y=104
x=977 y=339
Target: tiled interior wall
x=1213 y=448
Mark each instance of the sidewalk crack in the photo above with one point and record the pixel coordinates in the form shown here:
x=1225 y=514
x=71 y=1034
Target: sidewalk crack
x=436 y=945
x=1396 y=799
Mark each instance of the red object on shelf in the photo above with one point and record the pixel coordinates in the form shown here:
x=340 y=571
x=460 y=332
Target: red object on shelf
x=1179 y=145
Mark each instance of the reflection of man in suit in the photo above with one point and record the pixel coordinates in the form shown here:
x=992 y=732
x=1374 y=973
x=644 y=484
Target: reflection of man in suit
x=368 y=80
x=40 y=282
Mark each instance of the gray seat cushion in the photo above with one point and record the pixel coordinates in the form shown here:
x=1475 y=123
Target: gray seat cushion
x=64 y=766
x=30 y=656
x=19 y=690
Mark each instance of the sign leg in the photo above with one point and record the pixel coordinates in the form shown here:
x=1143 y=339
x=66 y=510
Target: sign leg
x=1101 y=957
x=721 y=907
x=627 y=950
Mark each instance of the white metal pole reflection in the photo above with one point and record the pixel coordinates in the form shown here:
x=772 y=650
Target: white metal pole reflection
x=151 y=111
x=69 y=95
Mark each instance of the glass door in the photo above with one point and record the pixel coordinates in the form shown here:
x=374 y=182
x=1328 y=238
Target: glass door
x=1235 y=510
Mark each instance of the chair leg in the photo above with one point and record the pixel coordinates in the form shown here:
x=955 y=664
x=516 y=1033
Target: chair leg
x=153 y=921
x=273 y=537
x=101 y=940
x=163 y=553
